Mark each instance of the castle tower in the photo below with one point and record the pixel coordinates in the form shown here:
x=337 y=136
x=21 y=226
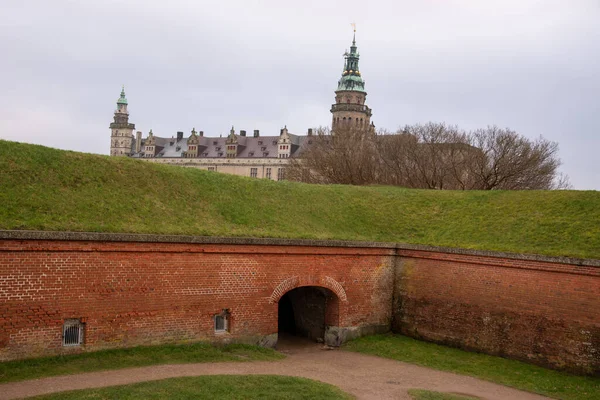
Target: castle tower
x=349 y=107
x=121 y=137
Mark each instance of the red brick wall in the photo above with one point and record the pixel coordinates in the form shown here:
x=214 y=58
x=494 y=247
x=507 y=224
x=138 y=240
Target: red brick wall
x=135 y=292
x=540 y=312
x=142 y=293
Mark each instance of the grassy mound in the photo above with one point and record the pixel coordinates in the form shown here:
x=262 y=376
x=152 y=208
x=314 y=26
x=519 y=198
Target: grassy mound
x=228 y=387
x=48 y=189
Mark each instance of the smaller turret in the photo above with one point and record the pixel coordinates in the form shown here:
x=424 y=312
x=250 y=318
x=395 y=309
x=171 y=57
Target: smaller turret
x=121 y=139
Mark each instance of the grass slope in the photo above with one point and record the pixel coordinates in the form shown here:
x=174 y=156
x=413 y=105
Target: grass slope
x=132 y=357
x=555 y=384
x=230 y=387
x=48 y=189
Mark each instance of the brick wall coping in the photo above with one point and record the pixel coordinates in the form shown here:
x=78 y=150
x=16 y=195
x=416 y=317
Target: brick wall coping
x=152 y=238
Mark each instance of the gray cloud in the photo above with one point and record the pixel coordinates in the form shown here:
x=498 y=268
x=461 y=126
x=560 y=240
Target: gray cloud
x=528 y=65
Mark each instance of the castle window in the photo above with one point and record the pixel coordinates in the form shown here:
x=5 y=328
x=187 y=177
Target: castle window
x=217 y=148
x=268 y=174
x=253 y=172
x=251 y=154
x=222 y=321
x=274 y=142
x=266 y=154
x=212 y=168
x=215 y=143
x=73 y=330
x=259 y=142
x=220 y=154
x=263 y=148
x=280 y=174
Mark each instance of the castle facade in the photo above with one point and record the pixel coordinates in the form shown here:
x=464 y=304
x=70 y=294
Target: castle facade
x=240 y=153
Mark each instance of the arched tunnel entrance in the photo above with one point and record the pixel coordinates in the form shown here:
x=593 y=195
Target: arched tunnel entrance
x=307 y=311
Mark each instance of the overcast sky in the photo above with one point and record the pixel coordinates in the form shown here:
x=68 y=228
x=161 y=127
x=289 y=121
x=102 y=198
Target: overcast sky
x=530 y=65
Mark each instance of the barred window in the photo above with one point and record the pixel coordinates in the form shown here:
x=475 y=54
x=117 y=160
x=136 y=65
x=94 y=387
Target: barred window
x=73 y=330
x=222 y=321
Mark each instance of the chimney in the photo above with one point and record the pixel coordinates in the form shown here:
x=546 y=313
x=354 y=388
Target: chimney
x=201 y=133
x=242 y=133
x=179 y=136
x=256 y=133
x=138 y=141
x=310 y=132
x=281 y=132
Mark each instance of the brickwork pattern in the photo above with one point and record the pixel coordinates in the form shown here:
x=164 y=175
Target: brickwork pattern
x=543 y=313
x=147 y=293
x=538 y=309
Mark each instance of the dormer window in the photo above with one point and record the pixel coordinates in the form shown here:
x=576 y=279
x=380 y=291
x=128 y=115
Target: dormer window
x=263 y=148
x=274 y=142
x=251 y=154
x=215 y=143
x=220 y=154
x=217 y=148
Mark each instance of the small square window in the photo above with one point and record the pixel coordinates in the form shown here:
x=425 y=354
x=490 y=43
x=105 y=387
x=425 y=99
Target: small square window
x=222 y=322
x=73 y=330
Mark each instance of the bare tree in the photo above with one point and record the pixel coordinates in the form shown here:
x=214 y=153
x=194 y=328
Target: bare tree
x=430 y=156
x=510 y=161
x=346 y=156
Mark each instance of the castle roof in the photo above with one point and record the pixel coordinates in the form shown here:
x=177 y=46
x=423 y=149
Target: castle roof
x=122 y=99
x=249 y=147
x=351 y=77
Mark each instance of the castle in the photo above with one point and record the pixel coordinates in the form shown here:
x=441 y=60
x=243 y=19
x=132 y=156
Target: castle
x=241 y=154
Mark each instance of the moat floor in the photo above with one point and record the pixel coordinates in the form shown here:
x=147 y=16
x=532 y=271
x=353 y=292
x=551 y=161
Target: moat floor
x=366 y=377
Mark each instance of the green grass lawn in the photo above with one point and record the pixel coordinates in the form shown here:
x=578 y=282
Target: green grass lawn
x=132 y=357
x=418 y=394
x=212 y=387
x=48 y=189
x=512 y=373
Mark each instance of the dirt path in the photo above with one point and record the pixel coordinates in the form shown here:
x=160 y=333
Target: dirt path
x=366 y=377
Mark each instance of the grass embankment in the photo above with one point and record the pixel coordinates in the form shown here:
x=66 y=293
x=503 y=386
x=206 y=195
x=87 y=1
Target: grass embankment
x=212 y=387
x=418 y=394
x=132 y=357
x=512 y=373
x=47 y=189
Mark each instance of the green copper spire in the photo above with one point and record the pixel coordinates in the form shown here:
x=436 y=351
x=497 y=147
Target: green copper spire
x=351 y=78
x=122 y=99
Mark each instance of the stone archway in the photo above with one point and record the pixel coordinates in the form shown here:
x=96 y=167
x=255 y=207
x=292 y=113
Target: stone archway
x=308 y=311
